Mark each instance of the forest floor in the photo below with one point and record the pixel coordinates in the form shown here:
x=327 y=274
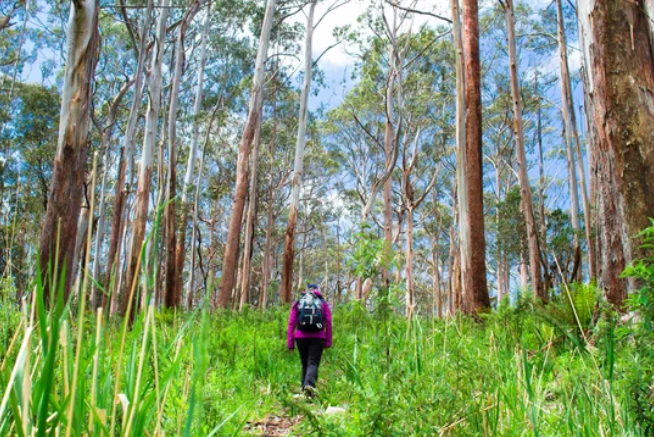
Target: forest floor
x=522 y=370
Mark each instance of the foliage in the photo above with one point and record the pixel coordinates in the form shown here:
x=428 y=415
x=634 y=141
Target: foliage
x=200 y=371
x=641 y=371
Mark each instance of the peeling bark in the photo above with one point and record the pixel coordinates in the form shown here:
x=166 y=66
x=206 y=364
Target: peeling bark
x=142 y=202
x=69 y=169
x=619 y=49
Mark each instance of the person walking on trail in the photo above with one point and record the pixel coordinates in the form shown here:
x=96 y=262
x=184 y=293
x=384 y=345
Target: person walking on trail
x=310 y=328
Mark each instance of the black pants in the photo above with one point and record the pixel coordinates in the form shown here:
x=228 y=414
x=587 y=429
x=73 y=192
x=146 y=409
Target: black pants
x=310 y=353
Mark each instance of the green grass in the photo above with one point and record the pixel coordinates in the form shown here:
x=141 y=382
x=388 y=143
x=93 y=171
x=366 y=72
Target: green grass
x=512 y=374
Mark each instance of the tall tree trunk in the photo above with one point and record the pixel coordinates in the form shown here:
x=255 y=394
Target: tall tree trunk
x=298 y=167
x=248 y=241
x=192 y=157
x=570 y=123
x=230 y=258
x=622 y=75
x=107 y=134
x=476 y=288
x=69 y=169
x=267 y=255
x=173 y=287
x=389 y=145
x=525 y=188
x=126 y=152
x=142 y=202
x=465 y=250
x=410 y=305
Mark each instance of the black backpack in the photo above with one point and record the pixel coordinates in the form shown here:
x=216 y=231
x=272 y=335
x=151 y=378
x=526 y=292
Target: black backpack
x=310 y=313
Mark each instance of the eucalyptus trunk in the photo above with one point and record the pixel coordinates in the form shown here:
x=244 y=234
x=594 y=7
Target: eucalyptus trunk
x=617 y=40
x=173 y=284
x=570 y=122
x=251 y=216
x=461 y=181
x=192 y=157
x=525 y=188
x=120 y=187
x=476 y=288
x=298 y=167
x=107 y=134
x=230 y=258
x=69 y=170
x=142 y=202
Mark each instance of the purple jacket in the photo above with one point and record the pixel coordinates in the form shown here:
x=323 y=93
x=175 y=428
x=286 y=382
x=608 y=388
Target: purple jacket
x=294 y=333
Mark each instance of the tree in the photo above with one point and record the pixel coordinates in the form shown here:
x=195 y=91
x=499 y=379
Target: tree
x=618 y=42
x=60 y=226
x=475 y=289
x=298 y=166
x=230 y=256
x=525 y=188
x=142 y=202
x=173 y=289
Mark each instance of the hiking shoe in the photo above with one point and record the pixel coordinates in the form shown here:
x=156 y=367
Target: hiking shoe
x=310 y=392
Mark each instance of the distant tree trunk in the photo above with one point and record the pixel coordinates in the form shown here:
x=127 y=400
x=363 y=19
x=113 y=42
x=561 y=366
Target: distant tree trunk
x=267 y=255
x=189 y=291
x=192 y=157
x=298 y=167
x=476 y=288
x=69 y=169
x=622 y=77
x=142 y=201
x=126 y=152
x=525 y=188
x=389 y=145
x=230 y=258
x=570 y=123
x=107 y=134
x=547 y=278
x=461 y=189
x=251 y=215
x=173 y=287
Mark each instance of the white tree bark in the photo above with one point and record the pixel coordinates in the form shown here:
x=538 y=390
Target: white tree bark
x=142 y=203
x=461 y=179
x=298 y=166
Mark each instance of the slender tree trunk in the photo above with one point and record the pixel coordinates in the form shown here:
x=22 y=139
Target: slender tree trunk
x=298 y=167
x=107 y=134
x=622 y=75
x=389 y=145
x=525 y=188
x=410 y=305
x=190 y=167
x=267 y=256
x=570 y=123
x=251 y=216
x=121 y=190
x=69 y=169
x=142 y=202
x=173 y=286
x=476 y=288
x=230 y=258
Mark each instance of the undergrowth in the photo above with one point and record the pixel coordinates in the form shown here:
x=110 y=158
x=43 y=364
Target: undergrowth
x=515 y=373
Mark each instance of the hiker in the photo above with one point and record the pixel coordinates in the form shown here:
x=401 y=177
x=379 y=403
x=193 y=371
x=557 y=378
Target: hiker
x=310 y=327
